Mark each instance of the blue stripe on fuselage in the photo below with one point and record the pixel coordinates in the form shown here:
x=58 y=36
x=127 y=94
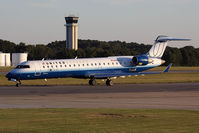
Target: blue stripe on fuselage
x=77 y=73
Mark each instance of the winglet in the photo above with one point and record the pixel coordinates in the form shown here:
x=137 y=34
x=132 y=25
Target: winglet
x=167 y=69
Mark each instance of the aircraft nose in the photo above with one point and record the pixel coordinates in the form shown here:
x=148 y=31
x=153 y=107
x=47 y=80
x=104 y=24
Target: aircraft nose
x=8 y=75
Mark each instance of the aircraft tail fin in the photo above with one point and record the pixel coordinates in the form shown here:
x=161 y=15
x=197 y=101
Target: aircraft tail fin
x=159 y=46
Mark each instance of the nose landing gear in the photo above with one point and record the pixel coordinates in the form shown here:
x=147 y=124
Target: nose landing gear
x=18 y=83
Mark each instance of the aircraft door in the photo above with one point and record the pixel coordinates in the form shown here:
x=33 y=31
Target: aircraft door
x=37 y=69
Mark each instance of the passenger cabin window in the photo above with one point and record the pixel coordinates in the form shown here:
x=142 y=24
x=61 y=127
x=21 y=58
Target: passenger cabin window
x=22 y=66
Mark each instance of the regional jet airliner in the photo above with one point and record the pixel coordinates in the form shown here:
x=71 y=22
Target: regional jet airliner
x=94 y=68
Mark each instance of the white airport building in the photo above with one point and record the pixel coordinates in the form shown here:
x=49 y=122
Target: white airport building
x=4 y=59
x=16 y=59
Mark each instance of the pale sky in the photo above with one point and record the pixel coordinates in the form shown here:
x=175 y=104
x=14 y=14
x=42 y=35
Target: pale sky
x=42 y=21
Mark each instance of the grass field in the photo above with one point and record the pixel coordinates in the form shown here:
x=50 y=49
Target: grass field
x=178 y=77
x=177 y=68
x=5 y=69
x=98 y=121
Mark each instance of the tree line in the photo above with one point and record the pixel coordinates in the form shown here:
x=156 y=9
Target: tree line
x=186 y=56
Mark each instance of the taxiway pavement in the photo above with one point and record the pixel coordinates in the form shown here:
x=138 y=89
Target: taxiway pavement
x=137 y=96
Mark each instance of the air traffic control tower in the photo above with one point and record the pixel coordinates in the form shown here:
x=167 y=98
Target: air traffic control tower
x=72 y=32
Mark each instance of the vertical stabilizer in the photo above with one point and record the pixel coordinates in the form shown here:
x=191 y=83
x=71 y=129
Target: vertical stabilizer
x=160 y=44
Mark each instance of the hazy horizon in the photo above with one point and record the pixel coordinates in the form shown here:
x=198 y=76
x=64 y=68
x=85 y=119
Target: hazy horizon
x=141 y=21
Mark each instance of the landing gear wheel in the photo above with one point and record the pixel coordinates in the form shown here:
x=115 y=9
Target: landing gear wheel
x=109 y=82
x=18 y=83
x=92 y=82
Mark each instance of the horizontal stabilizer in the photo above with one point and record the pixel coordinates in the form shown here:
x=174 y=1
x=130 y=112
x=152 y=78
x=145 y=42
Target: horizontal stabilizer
x=159 y=46
x=167 y=69
x=166 y=39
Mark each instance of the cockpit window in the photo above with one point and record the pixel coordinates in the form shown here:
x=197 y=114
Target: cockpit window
x=22 y=66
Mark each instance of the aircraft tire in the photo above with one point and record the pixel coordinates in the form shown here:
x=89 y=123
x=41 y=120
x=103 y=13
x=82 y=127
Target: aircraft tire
x=17 y=84
x=109 y=82
x=92 y=82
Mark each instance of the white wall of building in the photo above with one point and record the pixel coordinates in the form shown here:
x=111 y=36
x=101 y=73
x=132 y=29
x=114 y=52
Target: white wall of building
x=7 y=59
x=2 y=59
x=18 y=58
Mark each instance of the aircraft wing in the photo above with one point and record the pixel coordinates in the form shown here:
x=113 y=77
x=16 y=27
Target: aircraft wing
x=105 y=75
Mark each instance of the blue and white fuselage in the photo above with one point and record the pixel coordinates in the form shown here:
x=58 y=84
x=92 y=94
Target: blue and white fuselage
x=92 y=68
x=79 y=68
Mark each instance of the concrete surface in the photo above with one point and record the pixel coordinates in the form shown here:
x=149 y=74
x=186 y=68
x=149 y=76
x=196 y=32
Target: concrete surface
x=137 y=96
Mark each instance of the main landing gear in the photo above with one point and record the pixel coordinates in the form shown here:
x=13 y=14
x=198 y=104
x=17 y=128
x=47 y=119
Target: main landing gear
x=109 y=82
x=92 y=82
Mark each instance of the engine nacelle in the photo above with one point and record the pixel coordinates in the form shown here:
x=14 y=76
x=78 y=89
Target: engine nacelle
x=141 y=60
